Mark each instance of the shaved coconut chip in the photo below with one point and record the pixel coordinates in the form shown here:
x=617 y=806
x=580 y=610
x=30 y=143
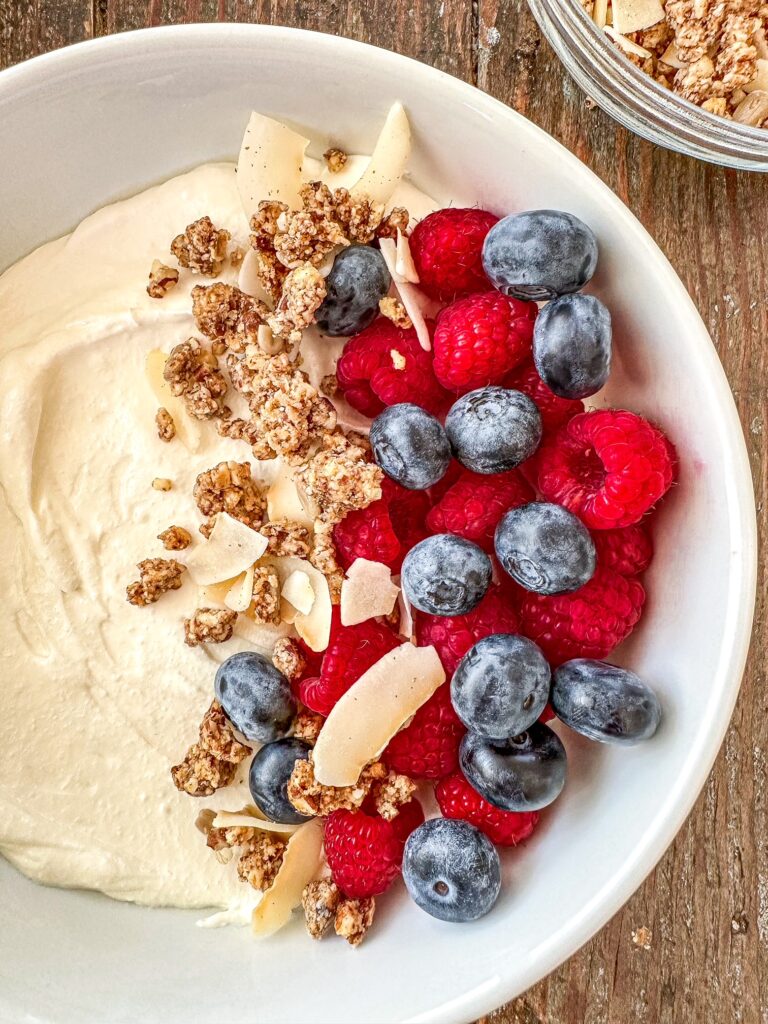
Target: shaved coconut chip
x=365 y=719
x=626 y=44
x=231 y=549
x=297 y=590
x=240 y=594
x=406 y=627
x=288 y=612
x=270 y=165
x=417 y=305
x=188 y=429
x=670 y=57
x=636 y=15
x=367 y=591
x=284 y=501
x=247 y=819
x=214 y=594
x=388 y=160
x=263 y=637
x=600 y=13
x=248 y=279
x=404 y=265
x=760 y=81
x=302 y=860
x=314 y=627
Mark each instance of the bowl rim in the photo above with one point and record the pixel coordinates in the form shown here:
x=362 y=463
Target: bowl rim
x=728 y=672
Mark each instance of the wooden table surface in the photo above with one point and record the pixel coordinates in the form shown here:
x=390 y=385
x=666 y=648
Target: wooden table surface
x=705 y=908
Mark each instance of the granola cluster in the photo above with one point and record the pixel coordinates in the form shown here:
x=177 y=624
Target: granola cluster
x=175 y=538
x=192 y=373
x=388 y=791
x=340 y=478
x=202 y=247
x=324 y=905
x=209 y=626
x=166 y=428
x=226 y=314
x=156 y=577
x=266 y=596
x=211 y=762
x=161 y=280
x=287 y=657
x=287 y=538
x=260 y=852
x=229 y=487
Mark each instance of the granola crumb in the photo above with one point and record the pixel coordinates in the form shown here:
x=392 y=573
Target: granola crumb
x=287 y=538
x=307 y=726
x=224 y=313
x=303 y=293
x=329 y=385
x=310 y=797
x=156 y=577
x=394 y=310
x=166 y=428
x=325 y=559
x=396 y=220
x=287 y=658
x=340 y=478
x=175 y=538
x=236 y=256
x=320 y=901
x=266 y=596
x=209 y=765
x=250 y=432
x=642 y=937
x=335 y=159
x=354 y=918
x=162 y=279
x=209 y=626
x=218 y=737
x=261 y=859
x=202 y=247
x=229 y=487
x=392 y=793
x=201 y=773
x=162 y=483
x=192 y=373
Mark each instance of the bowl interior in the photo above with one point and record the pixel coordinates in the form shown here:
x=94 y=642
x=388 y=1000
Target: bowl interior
x=102 y=120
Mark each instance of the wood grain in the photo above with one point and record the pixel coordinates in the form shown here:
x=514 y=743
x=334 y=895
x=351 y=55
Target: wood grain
x=706 y=905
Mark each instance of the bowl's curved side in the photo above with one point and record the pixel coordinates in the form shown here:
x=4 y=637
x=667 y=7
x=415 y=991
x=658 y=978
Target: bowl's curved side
x=109 y=116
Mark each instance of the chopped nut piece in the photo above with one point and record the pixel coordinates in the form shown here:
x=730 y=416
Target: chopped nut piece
x=335 y=159
x=161 y=280
x=166 y=428
x=224 y=313
x=288 y=659
x=303 y=293
x=201 y=773
x=390 y=794
x=394 y=310
x=308 y=796
x=396 y=220
x=287 y=538
x=162 y=483
x=339 y=478
x=307 y=726
x=261 y=860
x=193 y=375
x=320 y=901
x=156 y=577
x=354 y=918
x=218 y=738
x=229 y=487
x=329 y=385
x=209 y=626
x=202 y=247
x=175 y=538
x=266 y=595
x=325 y=559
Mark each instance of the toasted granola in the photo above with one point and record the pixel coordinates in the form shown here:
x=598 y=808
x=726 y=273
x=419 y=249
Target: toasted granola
x=287 y=538
x=162 y=279
x=261 y=859
x=335 y=159
x=229 y=487
x=156 y=577
x=303 y=293
x=202 y=247
x=394 y=310
x=307 y=726
x=325 y=559
x=396 y=220
x=248 y=431
x=358 y=216
x=287 y=658
x=392 y=793
x=329 y=385
x=175 y=538
x=310 y=797
x=236 y=256
x=193 y=374
x=354 y=918
x=209 y=626
x=307 y=236
x=225 y=313
x=201 y=773
x=166 y=428
x=266 y=595
x=340 y=478
x=218 y=737
x=320 y=900
x=269 y=270
x=264 y=222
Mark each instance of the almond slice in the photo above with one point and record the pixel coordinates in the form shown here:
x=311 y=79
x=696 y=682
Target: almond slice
x=270 y=164
x=417 y=305
x=367 y=591
x=302 y=860
x=389 y=158
x=298 y=591
x=247 y=819
x=239 y=596
x=636 y=15
x=188 y=429
x=374 y=708
x=230 y=550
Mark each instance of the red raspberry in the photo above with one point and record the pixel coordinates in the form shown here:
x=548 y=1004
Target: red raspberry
x=368 y=533
x=453 y=635
x=384 y=365
x=452 y=474
x=474 y=505
x=478 y=340
x=457 y=799
x=364 y=851
x=554 y=410
x=609 y=467
x=351 y=652
x=628 y=550
x=408 y=512
x=428 y=747
x=447 y=249
x=588 y=623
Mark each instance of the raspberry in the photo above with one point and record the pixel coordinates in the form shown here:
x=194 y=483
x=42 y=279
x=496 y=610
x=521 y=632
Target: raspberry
x=628 y=551
x=428 y=747
x=609 y=467
x=478 y=340
x=474 y=505
x=408 y=512
x=588 y=623
x=368 y=533
x=452 y=636
x=447 y=249
x=384 y=365
x=457 y=799
x=554 y=410
x=364 y=852
x=351 y=652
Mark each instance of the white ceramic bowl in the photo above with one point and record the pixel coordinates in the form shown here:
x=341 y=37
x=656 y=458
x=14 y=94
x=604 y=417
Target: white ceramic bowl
x=102 y=120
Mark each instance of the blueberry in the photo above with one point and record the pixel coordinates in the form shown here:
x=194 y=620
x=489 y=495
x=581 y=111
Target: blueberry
x=452 y=870
x=545 y=548
x=268 y=778
x=572 y=345
x=410 y=446
x=500 y=686
x=524 y=773
x=255 y=696
x=539 y=254
x=358 y=280
x=445 y=575
x=605 y=702
x=493 y=429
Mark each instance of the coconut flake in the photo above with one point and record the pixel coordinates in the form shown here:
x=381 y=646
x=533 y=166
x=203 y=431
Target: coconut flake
x=302 y=860
x=246 y=818
x=314 y=627
x=626 y=44
x=404 y=265
x=600 y=13
x=271 y=164
x=249 y=281
x=636 y=15
x=257 y=635
x=417 y=305
x=297 y=590
x=671 y=58
x=368 y=715
x=760 y=81
x=239 y=596
x=231 y=549
x=284 y=500
x=367 y=591
x=388 y=160
x=188 y=430
x=406 y=627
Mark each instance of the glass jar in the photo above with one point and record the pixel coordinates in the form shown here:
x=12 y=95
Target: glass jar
x=636 y=100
